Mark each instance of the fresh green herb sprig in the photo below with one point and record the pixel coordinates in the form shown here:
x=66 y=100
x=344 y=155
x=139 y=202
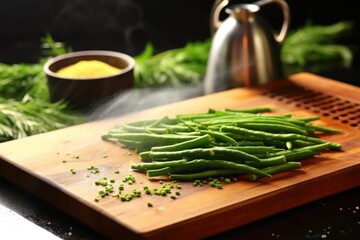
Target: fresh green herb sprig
x=317 y=44
x=29 y=117
x=22 y=79
x=19 y=80
x=25 y=107
x=173 y=67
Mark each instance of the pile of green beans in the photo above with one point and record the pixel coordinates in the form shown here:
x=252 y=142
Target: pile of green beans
x=232 y=142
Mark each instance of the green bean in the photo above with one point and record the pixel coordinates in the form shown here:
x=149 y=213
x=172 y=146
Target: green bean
x=203 y=164
x=316 y=147
x=221 y=153
x=250 y=110
x=326 y=129
x=154 y=139
x=254 y=149
x=143 y=129
x=164 y=171
x=308 y=119
x=243 y=137
x=195 y=116
x=242 y=143
x=133 y=144
x=255 y=119
x=207 y=174
x=265 y=162
x=160 y=121
x=189 y=133
x=176 y=128
x=224 y=117
x=222 y=143
x=275 y=143
x=142 y=123
x=221 y=136
x=284 y=120
x=108 y=137
x=266 y=135
x=145 y=156
x=157 y=165
x=250 y=143
x=277 y=169
x=294 y=155
x=192 y=143
x=300 y=143
x=304 y=152
x=193 y=125
x=271 y=127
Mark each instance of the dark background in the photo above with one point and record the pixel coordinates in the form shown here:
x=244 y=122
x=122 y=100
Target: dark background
x=126 y=25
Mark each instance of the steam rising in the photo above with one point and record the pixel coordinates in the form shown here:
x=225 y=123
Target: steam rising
x=135 y=100
x=117 y=25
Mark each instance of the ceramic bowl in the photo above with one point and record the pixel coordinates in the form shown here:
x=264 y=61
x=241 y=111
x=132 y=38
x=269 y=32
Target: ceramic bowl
x=85 y=92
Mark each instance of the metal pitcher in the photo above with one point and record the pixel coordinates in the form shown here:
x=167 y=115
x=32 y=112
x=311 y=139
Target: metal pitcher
x=245 y=49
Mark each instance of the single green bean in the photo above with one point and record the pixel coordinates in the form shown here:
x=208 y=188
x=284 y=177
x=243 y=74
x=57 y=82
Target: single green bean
x=154 y=139
x=176 y=128
x=326 y=129
x=130 y=143
x=221 y=137
x=292 y=156
x=145 y=156
x=158 y=122
x=143 y=129
x=207 y=174
x=253 y=149
x=308 y=119
x=277 y=169
x=143 y=123
x=316 y=147
x=250 y=110
x=300 y=143
x=157 y=165
x=192 y=143
x=250 y=143
x=265 y=162
x=195 y=116
x=271 y=127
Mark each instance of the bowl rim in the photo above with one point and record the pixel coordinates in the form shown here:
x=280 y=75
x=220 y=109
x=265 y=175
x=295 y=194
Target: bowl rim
x=52 y=60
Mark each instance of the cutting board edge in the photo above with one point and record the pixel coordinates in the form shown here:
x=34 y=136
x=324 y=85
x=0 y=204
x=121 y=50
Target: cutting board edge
x=114 y=230
x=36 y=184
x=187 y=227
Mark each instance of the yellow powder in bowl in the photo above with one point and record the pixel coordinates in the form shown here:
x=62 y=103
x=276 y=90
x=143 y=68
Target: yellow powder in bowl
x=88 y=69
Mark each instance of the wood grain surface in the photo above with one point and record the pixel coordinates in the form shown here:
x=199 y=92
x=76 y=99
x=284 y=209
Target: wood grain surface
x=41 y=164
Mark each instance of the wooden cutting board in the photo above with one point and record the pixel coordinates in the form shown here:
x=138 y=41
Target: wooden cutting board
x=37 y=164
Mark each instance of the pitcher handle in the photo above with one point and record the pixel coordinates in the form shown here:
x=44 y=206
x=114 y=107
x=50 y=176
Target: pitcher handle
x=286 y=13
x=215 y=15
